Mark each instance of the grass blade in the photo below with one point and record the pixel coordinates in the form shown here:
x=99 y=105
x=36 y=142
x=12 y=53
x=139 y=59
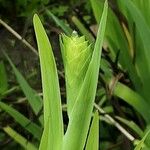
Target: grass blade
x=51 y=93
x=60 y=23
x=19 y=139
x=134 y=99
x=33 y=128
x=33 y=98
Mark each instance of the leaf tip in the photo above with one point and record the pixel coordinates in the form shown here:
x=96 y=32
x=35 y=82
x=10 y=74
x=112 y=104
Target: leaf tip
x=35 y=18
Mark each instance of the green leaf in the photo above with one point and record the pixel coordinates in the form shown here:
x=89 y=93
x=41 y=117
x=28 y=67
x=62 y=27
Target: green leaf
x=93 y=137
x=19 y=139
x=141 y=145
x=34 y=99
x=3 y=79
x=60 y=23
x=117 y=42
x=134 y=99
x=131 y=125
x=144 y=9
x=45 y=137
x=97 y=7
x=33 y=128
x=142 y=36
x=80 y=116
x=51 y=92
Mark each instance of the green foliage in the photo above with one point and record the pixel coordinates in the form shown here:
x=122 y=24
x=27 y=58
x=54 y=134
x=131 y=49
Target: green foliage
x=53 y=123
x=123 y=69
x=60 y=23
x=133 y=99
x=141 y=144
x=85 y=99
x=76 y=64
x=93 y=137
x=33 y=128
x=128 y=34
x=20 y=139
x=3 y=79
x=33 y=98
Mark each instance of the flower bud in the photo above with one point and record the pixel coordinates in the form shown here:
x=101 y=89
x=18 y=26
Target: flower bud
x=76 y=54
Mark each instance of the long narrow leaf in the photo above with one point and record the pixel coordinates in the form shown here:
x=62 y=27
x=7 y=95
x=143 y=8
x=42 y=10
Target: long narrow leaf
x=34 y=129
x=19 y=139
x=44 y=140
x=51 y=92
x=134 y=99
x=34 y=99
x=93 y=137
x=117 y=42
x=60 y=23
x=142 y=34
x=3 y=78
x=97 y=9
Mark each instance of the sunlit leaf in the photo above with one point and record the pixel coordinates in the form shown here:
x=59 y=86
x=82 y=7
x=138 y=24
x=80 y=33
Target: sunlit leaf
x=51 y=92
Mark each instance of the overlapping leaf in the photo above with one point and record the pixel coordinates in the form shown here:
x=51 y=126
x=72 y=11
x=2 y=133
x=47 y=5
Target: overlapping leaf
x=81 y=113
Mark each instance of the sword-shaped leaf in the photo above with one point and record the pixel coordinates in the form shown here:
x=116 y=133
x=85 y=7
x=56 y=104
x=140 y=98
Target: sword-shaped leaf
x=32 y=96
x=51 y=92
x=27 y=124
x=19 y=138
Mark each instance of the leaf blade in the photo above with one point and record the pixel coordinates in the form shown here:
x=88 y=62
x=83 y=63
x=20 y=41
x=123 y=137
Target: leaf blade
x=19 y=138
x=33 y=128
x=33 y=98
x=50 y=85
x=93 y=137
